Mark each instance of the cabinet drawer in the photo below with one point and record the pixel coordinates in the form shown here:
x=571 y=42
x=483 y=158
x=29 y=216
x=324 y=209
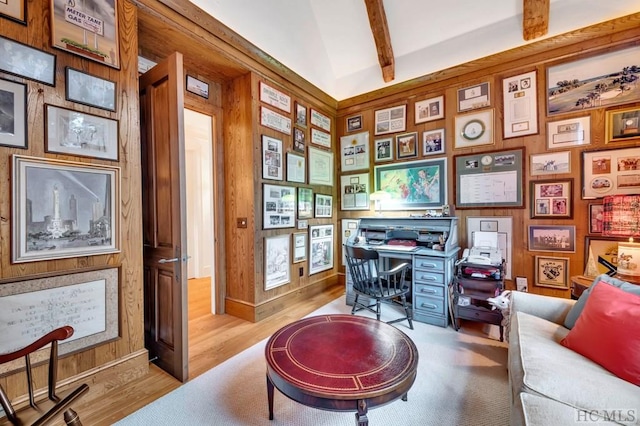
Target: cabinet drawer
x=429 y=264
x=429 y=290
x=479 y=314
x=424 y=277
x=429 y=304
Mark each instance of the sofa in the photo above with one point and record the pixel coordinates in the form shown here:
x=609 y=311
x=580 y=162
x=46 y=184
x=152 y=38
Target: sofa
x=553 y=385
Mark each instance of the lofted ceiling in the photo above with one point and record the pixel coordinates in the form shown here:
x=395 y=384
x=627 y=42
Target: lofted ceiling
x=330 y=42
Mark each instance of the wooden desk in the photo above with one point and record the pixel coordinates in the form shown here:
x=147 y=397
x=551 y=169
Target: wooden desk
x=579 y=283
x=326 y=362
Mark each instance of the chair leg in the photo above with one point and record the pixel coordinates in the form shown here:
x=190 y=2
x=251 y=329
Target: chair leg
x=407 y=310
x=378 y=309
x=355 y=304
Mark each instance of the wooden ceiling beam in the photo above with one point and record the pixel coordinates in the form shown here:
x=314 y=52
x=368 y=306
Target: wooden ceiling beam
x=380 y=30
x=535 y=18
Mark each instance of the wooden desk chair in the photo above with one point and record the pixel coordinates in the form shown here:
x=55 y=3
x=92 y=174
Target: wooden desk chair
x=50 y=409
x=372 y=283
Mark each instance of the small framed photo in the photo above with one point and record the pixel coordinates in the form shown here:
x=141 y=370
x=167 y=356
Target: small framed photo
x=301 y=115
x=13 y=120
x=429 y=110
x=79 y=133
x=550 y=163
x=383 y=150
x=299 y=247
x=272 y=158
x=552 y=272
x=552 y=238
x=596 y=217
x=299 y=140
x=354 y=123
x=474 y=97
x=474 y=129
x=570 y=132
x=90 y=90
x=324 y=205
x=390 y=120
x=197 y=87
x=551 y=199
x=296 y=168
x=44 y=72
x=277 y=269
x=305 y=203
x=623 y=125
x=16 y=10
x=433 y=142
x=407 y=145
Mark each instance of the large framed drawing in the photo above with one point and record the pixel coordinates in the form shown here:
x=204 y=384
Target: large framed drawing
x=551 y=199
x=278 y=206
x=552 y=238
x=63 y=209
x=320 y=248
x=320 y=167
x=552 y=272
x=391 y=120
x=623 y=125
x=610 y=172
x=38 y=66
x=15 y=10
x=354 y=190
x=90 y=90
x=503 y=225
x=92 y=32
x=354 y=152
x=520 y=105
x=277 y=266
x=490 y=179
x=13 y=120
x=413 y=185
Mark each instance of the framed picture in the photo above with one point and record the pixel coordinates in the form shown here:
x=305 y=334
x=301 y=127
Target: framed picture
x=303 y=224
x=354 y=123
x=320 y=248
x=520 y=105
x=301 y=115
x=16 y=10
x=275 y=121
x=277 y=267
x=474 y=129
x=596 y=216
x=429 y=109
x=383 y=149
x=503 y=225
x=391 y=120
x=299 y=247
x=99 y=25
x=474 y=97
x=407 y=145
x=274 y=97
x=551 y=199
x=78 y=133
x=320 y=120
x=349 y=228
x=414 y=185
x=501 y=171
x=298 y=140
x=324 y=205
x=552 y=238
x=354 y=190
x=197 y=87
x=278 y=206
x=272 y=161
x=552 y=272
x=13 y=120
x=593 y=82
x=610 y=172
x=305 y=203
x=90 y=90
x=570 y=132
x=601 y=255
x=550 y=164
x=63 y=209
x=433 y=142
x=318 y=137
x=39 y=66
x=354 y=152
x=296 y=168
x=320 y=167
x=623 y=125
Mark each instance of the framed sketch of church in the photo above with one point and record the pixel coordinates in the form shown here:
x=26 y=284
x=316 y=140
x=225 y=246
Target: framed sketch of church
x=63 y=209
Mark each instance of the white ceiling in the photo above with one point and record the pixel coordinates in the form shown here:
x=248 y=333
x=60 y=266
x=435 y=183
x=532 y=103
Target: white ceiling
x=329 y=42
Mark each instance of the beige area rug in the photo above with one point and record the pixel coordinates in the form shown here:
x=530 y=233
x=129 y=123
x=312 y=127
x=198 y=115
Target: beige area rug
x=462 y=380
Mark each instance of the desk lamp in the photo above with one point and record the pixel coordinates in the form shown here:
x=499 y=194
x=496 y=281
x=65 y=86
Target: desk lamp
x=379 y=197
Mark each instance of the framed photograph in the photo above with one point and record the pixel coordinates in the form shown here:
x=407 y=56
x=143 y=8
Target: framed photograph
x=383 y=149
x=474 y=129
x=349 y=228
x=551 y=199
x=552 y=238
x=16 y=10
x=433 y=142
x=274 y=97
x=275 y=121
x=503 y=225
x=272 y=159
x=296 y=168
x=596 y=216
x=13 y=117
x=354 y=123
x=414 y=185
x=94 y=37
x=550 y=164
x=354 y=152
x=299 y=247
x=552 y=272
x=407 y=145
x=318 y=137
x=79 y=133
x=320 y=248
x=197 y=87
x=90 y=90
x=278 y=206
x=305 y=203
x=593 y=82
x=320 y=120
x=277 y=266
x=520 y=103
x=298 y=140
x=391 y=120
x=570 y=132
x=502 y=171
x=301 y=115
x=354 y=190
x=610 y=172
x=324 y=205
x=474 y=97
x=63 y=209
x=623 y=125
x=601 y=255
x=320 y=167
x=38 y=66
x=429 y=110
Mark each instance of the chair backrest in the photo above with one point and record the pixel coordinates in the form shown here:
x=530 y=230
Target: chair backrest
x=363 y=266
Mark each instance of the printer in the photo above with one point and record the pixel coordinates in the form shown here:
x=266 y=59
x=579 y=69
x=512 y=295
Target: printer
x=484 y=249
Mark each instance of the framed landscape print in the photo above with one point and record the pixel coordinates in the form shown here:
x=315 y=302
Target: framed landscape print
x=433 y=142
x=551 y=199
x=383 y=149
x=354 y=190
x=320 y=248
x=305 y=203
x=277 y=255
x=552 y=238
x=414 y=185
x=552 y=272
x=13 y=120
x=272 y=158
x=391 y=120
x=15 y=10
x=90 y=90
x=278 y=206
x=407 y=145
x=354 y=152
x=429 y=109
x=520 y=104
x=623 y=125
x=38 y=66
x=474 y=129
x=610 y=172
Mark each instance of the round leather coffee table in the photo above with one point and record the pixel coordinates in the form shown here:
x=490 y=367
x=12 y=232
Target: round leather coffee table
x=340 y=363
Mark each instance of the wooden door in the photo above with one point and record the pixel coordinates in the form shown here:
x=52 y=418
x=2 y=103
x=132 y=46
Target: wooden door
x=164 y=228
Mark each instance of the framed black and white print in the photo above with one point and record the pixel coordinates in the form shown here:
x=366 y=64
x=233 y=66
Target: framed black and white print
x=277 y=266
x=391 y=120
x=13 y=120
x=354 y=123
x=301 y=115
x=552 y=238
x=90 y=90
x=272 y=158
x=383 y=150
x=278 y=206
x=354 y=192
x=305 y=203
x=299 y=140
x=25 y=61
x=407 y=145
x=324 y=205
x=16 y=10
x=320 y=248
x=429 y=109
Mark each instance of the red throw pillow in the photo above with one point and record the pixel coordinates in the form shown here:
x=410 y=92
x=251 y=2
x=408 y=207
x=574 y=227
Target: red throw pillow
x=608 y=332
